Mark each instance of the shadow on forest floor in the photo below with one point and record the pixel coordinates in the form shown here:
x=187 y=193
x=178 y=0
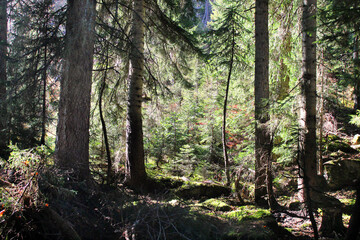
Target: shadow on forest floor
x=57 y=209
x=76 y=211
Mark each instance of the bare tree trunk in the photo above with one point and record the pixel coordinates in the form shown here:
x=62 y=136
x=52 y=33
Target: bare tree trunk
x=43 y=122
x=135 y=163
x=226 y=157
x=356 y=93
x=262 y=135
x=4 y=138
x=103 y=124
x=321 y=132
x=273 y=204
x=307 y=121
x=354 y=225
x=72 y=145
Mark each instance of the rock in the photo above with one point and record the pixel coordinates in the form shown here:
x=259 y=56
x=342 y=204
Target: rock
x=342 y=173
x=337 y=145
x=217 y=205
x=195 y=190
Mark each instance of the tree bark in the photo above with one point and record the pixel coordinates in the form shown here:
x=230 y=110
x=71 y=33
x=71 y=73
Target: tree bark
x=4 y=138
x=262 y=135
x=307 y=121
x=354 y=225
x=356 y=93
x=43 y=123
x=135 y=163
x=103 y=124
x=72 y=145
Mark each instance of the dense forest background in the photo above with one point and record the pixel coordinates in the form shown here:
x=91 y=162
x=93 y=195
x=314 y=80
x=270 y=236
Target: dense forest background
x=127 y=119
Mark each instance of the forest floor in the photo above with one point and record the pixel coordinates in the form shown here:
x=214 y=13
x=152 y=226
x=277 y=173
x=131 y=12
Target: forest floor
x=76 y=211
x=45 y=204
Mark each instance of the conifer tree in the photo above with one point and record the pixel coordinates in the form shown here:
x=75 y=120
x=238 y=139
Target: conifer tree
x=135 y=165
x=35 y=49
x=307 y=121
x=3 y=80
x=72 y=145
x=262 y=134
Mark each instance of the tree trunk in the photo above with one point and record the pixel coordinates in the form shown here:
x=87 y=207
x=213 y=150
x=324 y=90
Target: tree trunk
x=103 y=124
x=307 y=121
x=72 y=145
x=354 y=225
x=43 y=123
x=262 y=135
x=226 y=157
x=356 y=93
x=135 y=165
x=4 y=138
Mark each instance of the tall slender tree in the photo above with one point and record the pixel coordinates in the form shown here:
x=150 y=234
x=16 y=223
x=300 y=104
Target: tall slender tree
x=72 y=145
x=3 y=78
x=135 y=164
x=307 y=121
x=262 y=134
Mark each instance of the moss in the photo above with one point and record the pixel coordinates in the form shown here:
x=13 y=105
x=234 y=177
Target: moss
x=247 y=212
x=339 y=145
x=248 y=235
x=347 y=201
x=252 y=230
x=199 y=190
x=217 y=204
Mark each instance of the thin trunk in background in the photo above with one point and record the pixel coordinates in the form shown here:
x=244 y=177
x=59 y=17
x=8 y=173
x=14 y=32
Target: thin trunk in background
x=226 y=157
x=103 y=124
x=43 y=122
x=356 y=74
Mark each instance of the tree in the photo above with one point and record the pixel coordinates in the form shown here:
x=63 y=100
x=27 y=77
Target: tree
x=341 y=32
x=3 y=79
x=72 y=145
x=225 y=153
x=135 y=165
x=307 y=121
x=262 y=134
x=33 y=67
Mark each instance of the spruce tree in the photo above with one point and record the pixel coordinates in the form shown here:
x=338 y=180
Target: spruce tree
x=4 y=138
x=72 y=145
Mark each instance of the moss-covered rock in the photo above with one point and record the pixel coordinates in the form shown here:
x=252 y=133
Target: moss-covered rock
x=199 y=190
x=339 y=145
x=342 y=173
x=247 y=212
x=217 y=205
